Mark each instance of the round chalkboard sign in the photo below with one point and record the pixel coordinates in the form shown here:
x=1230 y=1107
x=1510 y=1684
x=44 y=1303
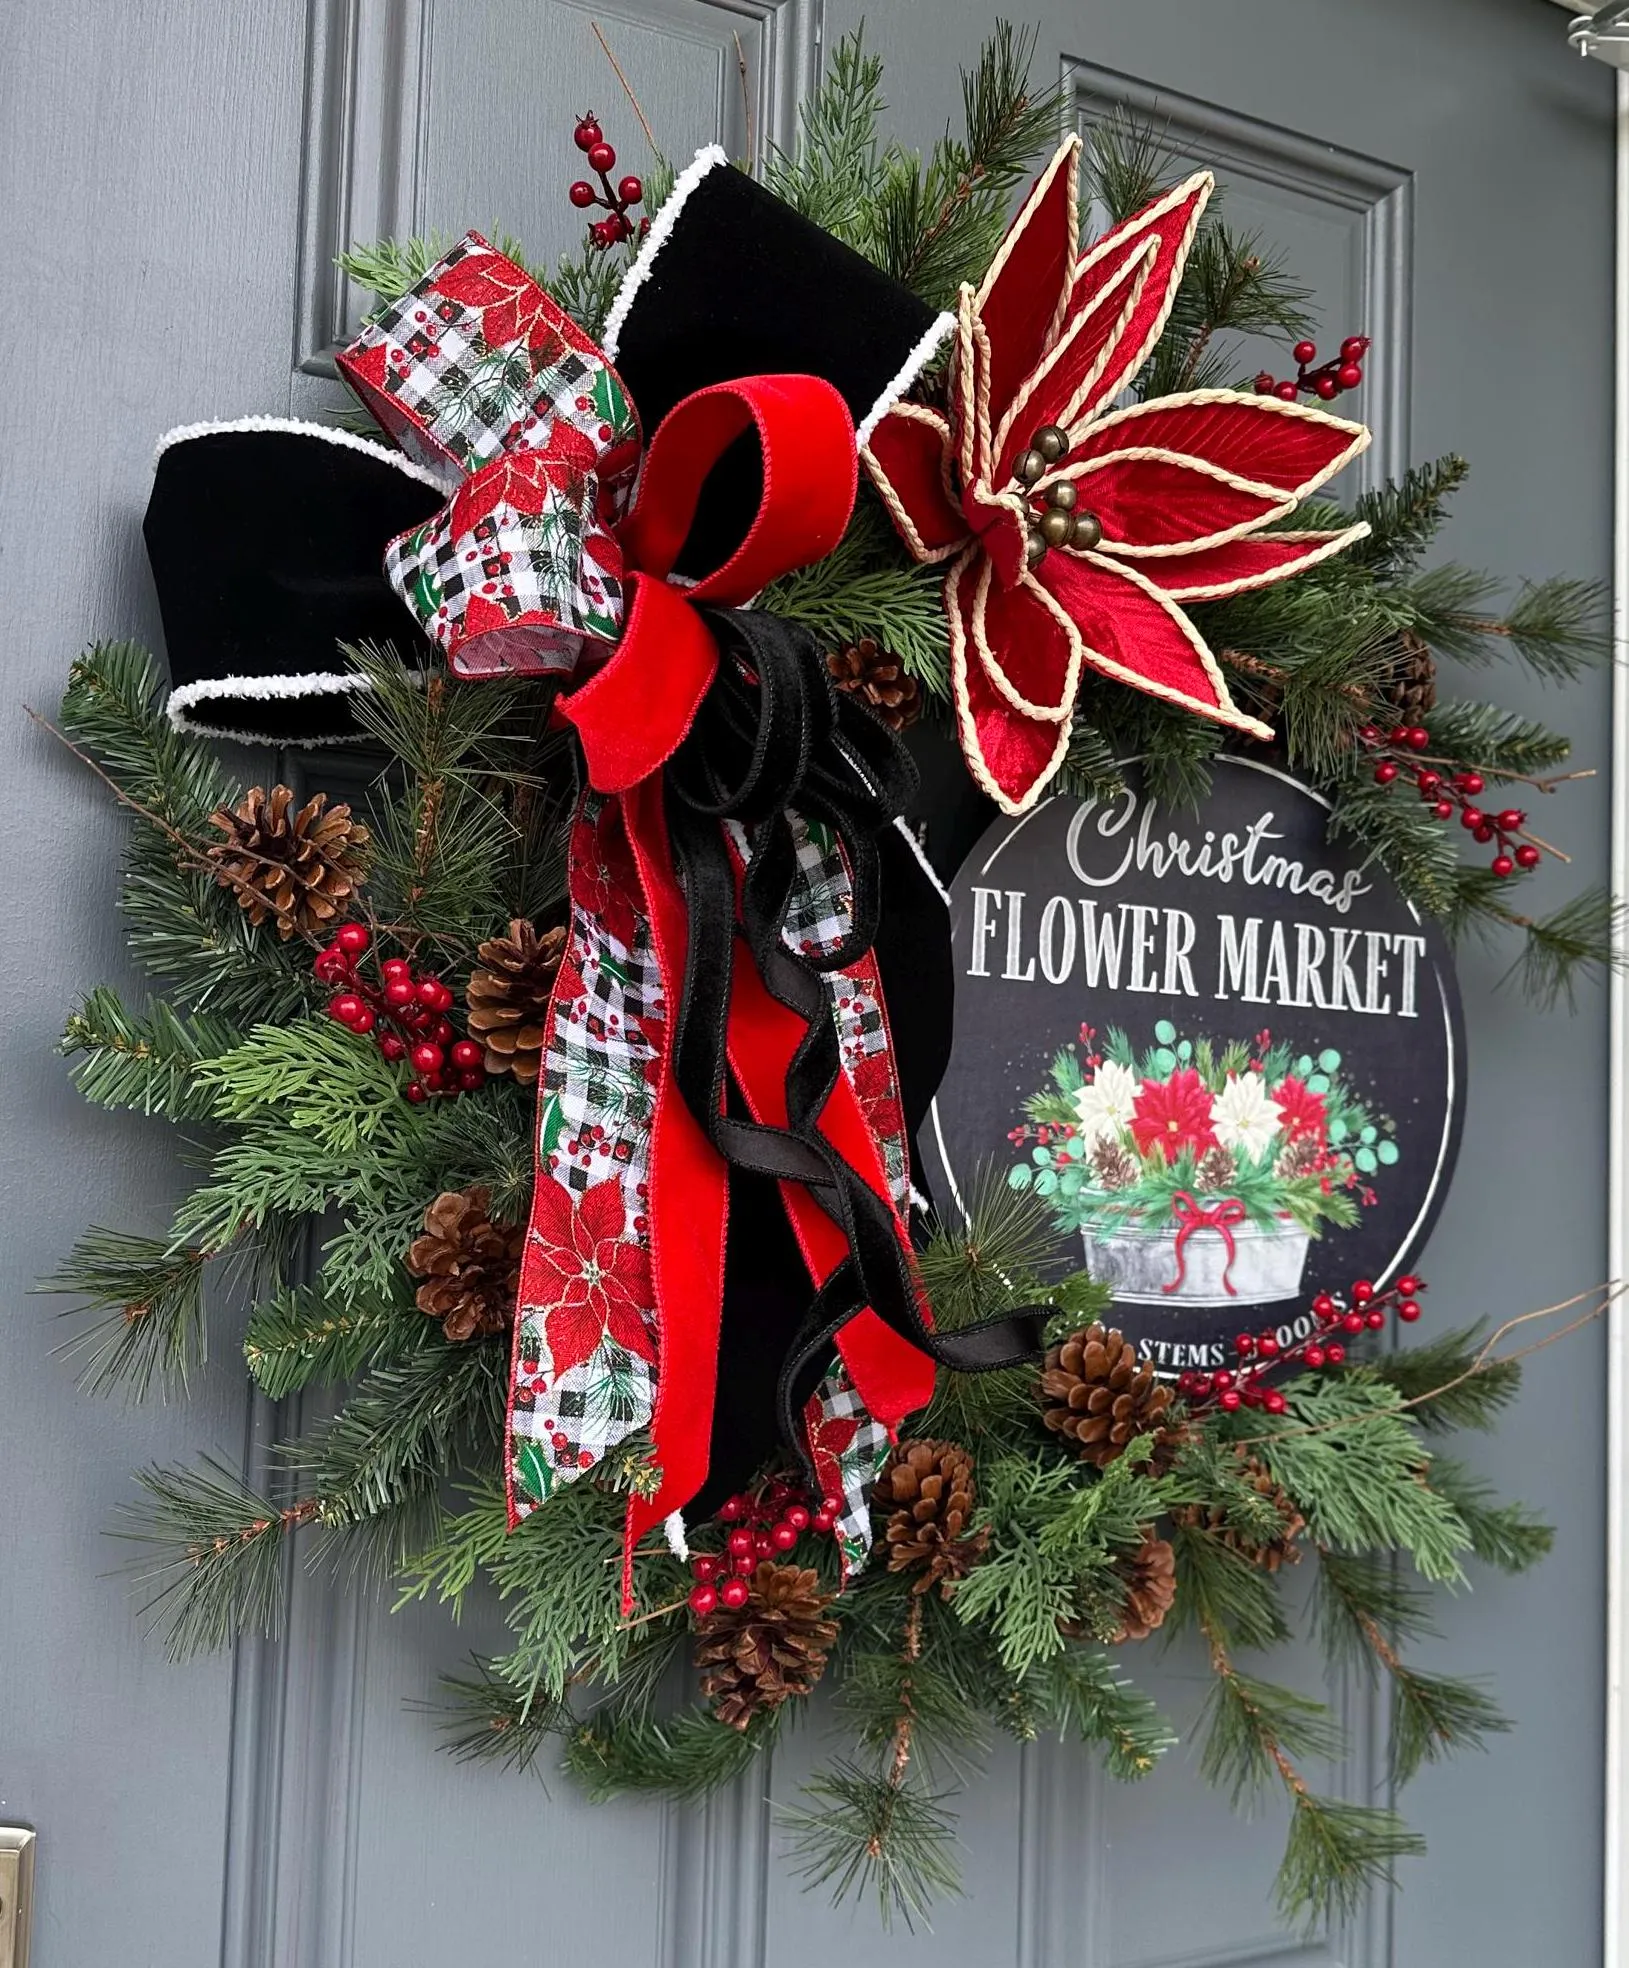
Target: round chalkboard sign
x=1224 y=1050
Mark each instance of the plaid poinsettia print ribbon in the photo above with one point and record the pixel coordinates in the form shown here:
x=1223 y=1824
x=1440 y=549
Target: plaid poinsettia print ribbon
x=719 y=1007
x=482 y=379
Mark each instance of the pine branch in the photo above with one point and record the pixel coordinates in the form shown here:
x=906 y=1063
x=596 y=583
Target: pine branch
x=1405 y=516
x=488 y=1721
x=308 y=1334
x=1580 y=941
x=1559 y=628
x=862 y=1835
x=1364 y=1609
x=1081 y=1693
x=1505 y=1535
x=1437 y=1380
x=682 y=1755
x=1125 y=165
x=833 y=175
x=217 y=1545
x=152 y=1294
x=1221 y=1592
x=1336 y=1853
x=143 y=1060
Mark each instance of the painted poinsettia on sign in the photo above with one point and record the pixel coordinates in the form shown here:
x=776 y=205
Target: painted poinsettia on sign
x=1073 y=530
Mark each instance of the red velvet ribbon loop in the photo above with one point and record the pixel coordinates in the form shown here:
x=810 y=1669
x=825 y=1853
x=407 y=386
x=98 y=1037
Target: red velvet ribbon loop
x=1191 y=1215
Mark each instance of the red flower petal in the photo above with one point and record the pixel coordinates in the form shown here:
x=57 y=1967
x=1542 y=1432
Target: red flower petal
x=1010 y=755
x=601 y=1213
x=1023 y=296
x=908 y=458
x=1287 y=447
x=1137 y=636
x=1171 y=221
x=1154 y=504
x=1213 y=572
x=1030 y=650
x=573 y=1331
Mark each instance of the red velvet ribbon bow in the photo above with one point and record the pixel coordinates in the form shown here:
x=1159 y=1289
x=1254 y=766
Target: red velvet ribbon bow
x=1191 y=1215
x=622 y=1277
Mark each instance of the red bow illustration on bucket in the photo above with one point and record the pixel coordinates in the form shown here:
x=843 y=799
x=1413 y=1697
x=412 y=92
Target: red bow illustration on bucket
x=733 y=810
x=1191 y=1215
x=1074 y=531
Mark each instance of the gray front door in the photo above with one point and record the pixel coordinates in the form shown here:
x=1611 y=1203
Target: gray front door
x=177 y=177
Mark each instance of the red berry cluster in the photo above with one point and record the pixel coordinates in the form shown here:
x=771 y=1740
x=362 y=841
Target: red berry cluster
x=406 y=1011
x=616 y=201
x=766 y=1524
x=1446 y=794
x=1326 y=380
x=1366 y=1309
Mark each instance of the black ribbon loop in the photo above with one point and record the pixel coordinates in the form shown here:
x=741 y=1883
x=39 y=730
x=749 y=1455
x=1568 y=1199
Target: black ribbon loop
x=771 y=734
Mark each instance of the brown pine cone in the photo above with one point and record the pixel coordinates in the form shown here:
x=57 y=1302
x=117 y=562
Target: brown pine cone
x=754 y=1657
x=879 y=680
x=1300 y=1157
x=1411 y=688
x=302 y=868
x=1094 y=1392
x=1150 y=1579
x=470 y=1265
x=1281 y=1548
x=1216 y=1171
x=930 y=1490
x=1113 y=1167
x=508 y=998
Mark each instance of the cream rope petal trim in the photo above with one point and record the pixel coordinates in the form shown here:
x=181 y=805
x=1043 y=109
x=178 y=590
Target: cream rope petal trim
x=707 y=159
x=1068 y=153
x=918 y=413
x=967 y=729
x=1331 y=544
x=1064 y=709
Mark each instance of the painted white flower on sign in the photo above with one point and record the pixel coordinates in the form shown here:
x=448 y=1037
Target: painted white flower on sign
x=1105 y=1104
x=1244 y=1118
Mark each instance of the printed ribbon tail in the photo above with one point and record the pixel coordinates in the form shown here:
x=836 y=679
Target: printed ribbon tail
x=1191 y=1216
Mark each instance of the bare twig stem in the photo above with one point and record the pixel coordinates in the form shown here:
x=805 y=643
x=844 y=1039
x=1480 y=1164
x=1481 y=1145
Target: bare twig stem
x=627 y=90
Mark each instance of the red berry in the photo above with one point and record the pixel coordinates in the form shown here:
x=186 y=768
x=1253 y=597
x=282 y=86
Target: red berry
x=732 y=1510
x=586 y=134
x=1244 y=1344
x=798 y=1517
x=1444 y=809
x=363 y=1021
x=1408 y=1310
x=734 y=1593
x=442 y=1033
x=1252 y=1396
x=581 y=194
x=393 y=1046
x=414 y=1092
x=1230 y=1400
x=1471 y=782
x=1264 y=384
x=703 y=1600
x=763 y=1544
x=1370 y=734
x=740 y=1543
x=783 y=1537
x=1349 y=375
x=705 y=1566
x=427 y=1058
x=1527 y=855
x=743 y=1564
x=1511 y=819
x=1335 y=1353
x=1409 y=1285
x=823 y=1521
x=428 y=993
x=631 y=190
x=471 y=1079
x=394 y=967
x=602 y=157
x=1353 y=1322
x=1314 y=1356
x=1185 y=1382
x=1428 y=782
x=1324 y=1306
x=833 y=1501
x=1419 y=738
x=399 y=992
x=347 y=1008
x=1385 y=772
x=1223 y=1377
x=1305 y=352
x=1470 y=818
x=1286 y=391
x=434 y=1081
x=1353 y=347
x=353 y=939
x=1483 y=834
x=1274 y=1403
x=1267 y=1346
x=1327 y=387
x=1362 y=1292
x=1503 y=866
x=467 y=1053
x=1400 y=733
x=1375 y=1319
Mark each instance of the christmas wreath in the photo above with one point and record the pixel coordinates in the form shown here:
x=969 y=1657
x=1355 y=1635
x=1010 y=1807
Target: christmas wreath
x=547 y=1098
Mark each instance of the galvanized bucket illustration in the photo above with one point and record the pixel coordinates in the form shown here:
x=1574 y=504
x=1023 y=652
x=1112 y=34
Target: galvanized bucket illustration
x=1194 y=1256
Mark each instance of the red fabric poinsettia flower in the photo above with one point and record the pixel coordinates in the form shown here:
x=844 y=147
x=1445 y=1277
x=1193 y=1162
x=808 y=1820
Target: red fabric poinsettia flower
x=1170 y=496
x=592 y=1283
x=1302 y=1114
x=1173 y=1114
